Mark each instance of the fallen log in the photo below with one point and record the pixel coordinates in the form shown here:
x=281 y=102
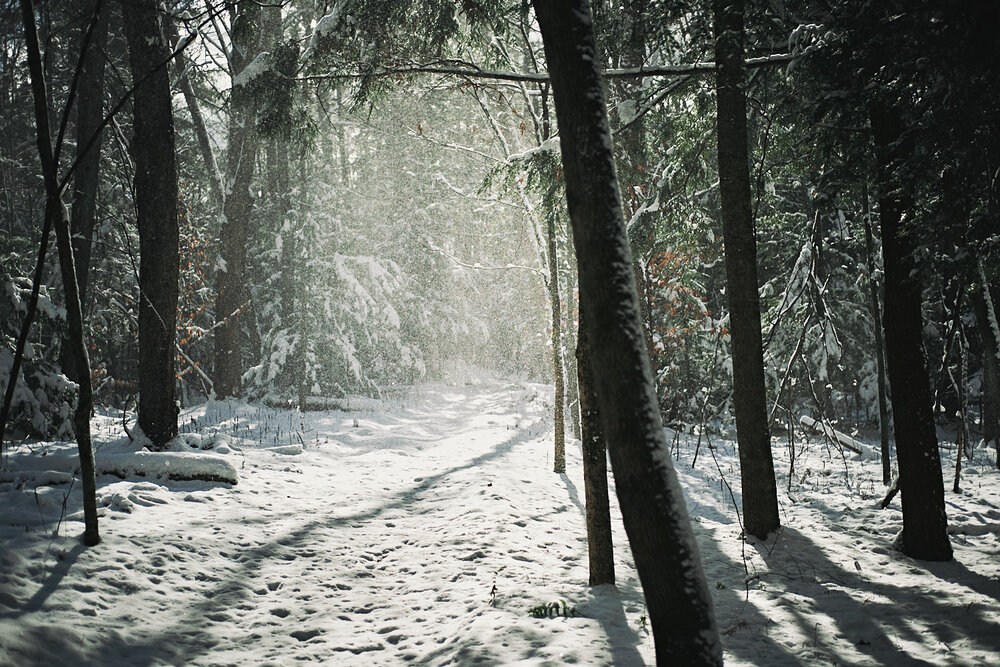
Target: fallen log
x=844 y=440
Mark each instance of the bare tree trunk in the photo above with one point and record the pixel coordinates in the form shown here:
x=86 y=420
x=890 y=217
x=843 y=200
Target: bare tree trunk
x=242 y=155
x=876 y=312
x=653 y=509
x=962 y=433
x=760 y=493
x=558 y=377
x=925 y=524
x=595 y=467
x=89 y=114
x=56 y=213
x=156 y=205
x=989 y=333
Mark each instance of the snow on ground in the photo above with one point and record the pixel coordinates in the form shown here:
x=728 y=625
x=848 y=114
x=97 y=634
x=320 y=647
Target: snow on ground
x=376 y=535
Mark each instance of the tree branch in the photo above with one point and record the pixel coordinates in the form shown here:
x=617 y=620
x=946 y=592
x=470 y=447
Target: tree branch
x=466 y=70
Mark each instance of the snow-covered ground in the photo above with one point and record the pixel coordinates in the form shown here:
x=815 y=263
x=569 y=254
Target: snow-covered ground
x=422 y=528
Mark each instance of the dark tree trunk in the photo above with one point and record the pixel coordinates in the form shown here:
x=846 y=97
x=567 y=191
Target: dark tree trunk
x=58 y=216
x=760 y=494
x=989 y=333
x=876 y=310
x=156 y=206
x=653 y=509
x=89 y=114
x=925 y=525
x=595 y=467
x=242 y=154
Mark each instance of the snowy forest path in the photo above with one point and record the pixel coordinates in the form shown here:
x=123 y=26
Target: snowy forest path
x=379 y=543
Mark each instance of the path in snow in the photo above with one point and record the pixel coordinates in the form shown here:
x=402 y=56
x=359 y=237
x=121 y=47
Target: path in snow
x=380 y=543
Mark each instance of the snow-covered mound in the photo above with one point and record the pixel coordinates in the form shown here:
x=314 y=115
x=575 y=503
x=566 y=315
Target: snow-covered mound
x=425 y=529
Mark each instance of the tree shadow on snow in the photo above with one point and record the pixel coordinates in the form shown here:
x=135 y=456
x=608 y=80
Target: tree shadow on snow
x=192 y=635
x=58 y=573
x=606 y=606
x=872 y=614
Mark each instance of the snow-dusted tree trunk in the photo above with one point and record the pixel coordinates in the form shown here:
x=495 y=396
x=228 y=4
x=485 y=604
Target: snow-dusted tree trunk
x=666 y=555
x=240 y=161
x=156 y=206
x=760 y=494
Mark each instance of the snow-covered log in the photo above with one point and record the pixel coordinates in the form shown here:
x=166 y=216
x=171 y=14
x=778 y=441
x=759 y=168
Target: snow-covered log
x=842 y=439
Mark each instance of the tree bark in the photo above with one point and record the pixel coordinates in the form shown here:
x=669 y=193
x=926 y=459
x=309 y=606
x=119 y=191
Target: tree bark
x=558 y=377
x=240 y=162
x=989 y=333
x=925 y=525
x=89 y=114
x=156 y=206
x=876 y=311
x=760 y=494
x=58 y=216
x=595 y=467
x=653 y=509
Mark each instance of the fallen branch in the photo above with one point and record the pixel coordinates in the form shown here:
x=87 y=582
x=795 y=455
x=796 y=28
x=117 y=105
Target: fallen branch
x=890 y=493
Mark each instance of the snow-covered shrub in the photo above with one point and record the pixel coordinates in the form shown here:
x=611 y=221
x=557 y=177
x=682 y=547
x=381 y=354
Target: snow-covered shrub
x=43 y=397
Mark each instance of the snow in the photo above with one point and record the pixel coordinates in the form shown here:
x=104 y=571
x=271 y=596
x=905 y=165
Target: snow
x=327 y=25
x=376 y=534
x=549 y=146
x=255 y=68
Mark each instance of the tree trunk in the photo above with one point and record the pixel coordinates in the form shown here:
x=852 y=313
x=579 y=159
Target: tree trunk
x=653 y=509
x=89 y=114
x=278 y=165
x=558 y=377
x=876 y=311
x=760 y=494
x=58 y=216
x=989 y=333
x=925 y=525
x=242 y=154
x=595 y=467
x=156 y=205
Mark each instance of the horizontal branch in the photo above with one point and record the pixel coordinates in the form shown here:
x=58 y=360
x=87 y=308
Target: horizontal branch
x=543 y=77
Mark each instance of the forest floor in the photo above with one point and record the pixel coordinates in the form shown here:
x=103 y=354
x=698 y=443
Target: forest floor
x=422 y=528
